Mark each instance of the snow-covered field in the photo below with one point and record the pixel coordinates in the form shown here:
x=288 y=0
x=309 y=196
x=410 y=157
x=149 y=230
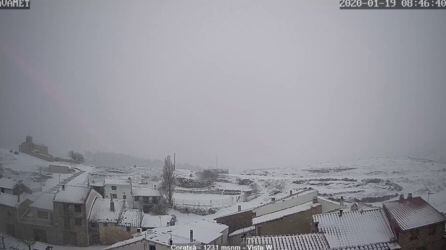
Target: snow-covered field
x=370 y=181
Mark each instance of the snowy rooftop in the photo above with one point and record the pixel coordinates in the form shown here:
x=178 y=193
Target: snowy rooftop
x=413 y=213
x=354 y=228
x=152 y=221
x=282 y=213
x=101 y=210
x=204 y=232
x=298 y=242
x=116 y=181
x=242 y=230
x=44 y=201
x=7 y=183
x=130 y=218
x=72 y=194
x=10 y=200
x=144 y=191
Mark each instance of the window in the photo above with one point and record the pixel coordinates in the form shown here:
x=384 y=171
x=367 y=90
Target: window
x=42 y=214
x=78 y=221
x=2 y=190
x=124 y=196
x=77 y=208
x=128 y=229
x=152 y=247
x=433 y=230
x=66 y=222
x=145 y=199
x=105 y=224
x=136 y=198
x=113 y=187
x=414 y=234
x=114 y=196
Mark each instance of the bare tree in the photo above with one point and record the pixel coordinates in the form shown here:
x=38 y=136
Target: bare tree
x=168 y=180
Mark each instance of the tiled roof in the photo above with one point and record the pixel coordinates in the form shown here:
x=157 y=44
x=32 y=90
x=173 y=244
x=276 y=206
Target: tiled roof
x=101 y=211
x=354 y=228
x=282 y=213
x=131 y=218
x=413 y=213
x=291 y=242
x=375 y=246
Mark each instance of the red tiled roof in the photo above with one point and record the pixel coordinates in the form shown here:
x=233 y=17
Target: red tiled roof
x=413 y=213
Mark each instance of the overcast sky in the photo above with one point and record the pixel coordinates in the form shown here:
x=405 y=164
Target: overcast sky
x=258 y=83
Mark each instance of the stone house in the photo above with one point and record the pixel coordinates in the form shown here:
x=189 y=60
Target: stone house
x=416 y=224
x=145 y=198
x=72 y=206
x=103 y=222
x=11 y=209
x=37 y=222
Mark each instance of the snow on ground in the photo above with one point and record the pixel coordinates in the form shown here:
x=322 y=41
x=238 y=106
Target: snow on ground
x=371 y=181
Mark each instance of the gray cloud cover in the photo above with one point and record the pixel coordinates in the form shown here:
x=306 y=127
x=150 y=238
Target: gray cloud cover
x=258 y=83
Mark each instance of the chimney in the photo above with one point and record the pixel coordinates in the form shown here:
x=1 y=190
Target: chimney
x=409 y=196
x=315 y=200
x=316 y=226
x=191 y=235
x=340 y=213
x=112 y=204
x=63 y=187
x=273 y=199
x=341 y=202
x=239 y=208
x=291 y=192
x=401 y=198
x=170 y=242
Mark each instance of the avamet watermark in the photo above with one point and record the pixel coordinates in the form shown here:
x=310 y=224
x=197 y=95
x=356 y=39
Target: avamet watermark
x=15 y=4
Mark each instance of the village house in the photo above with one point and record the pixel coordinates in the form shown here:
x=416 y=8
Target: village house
x=145 y=198
x=39 y=151
x=195 y=233
x=237 y=220
x=11 y=209
x=7 y=185
x=356 y=229
x=37 y=222
x=293 y=220
x=291 y=214
x=118 y=188
x=103 y=222
x=72 y=206
x=153 y=221
x=416 y=224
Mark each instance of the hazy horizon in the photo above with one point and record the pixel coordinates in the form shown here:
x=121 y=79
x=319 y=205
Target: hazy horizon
x=254 y=83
